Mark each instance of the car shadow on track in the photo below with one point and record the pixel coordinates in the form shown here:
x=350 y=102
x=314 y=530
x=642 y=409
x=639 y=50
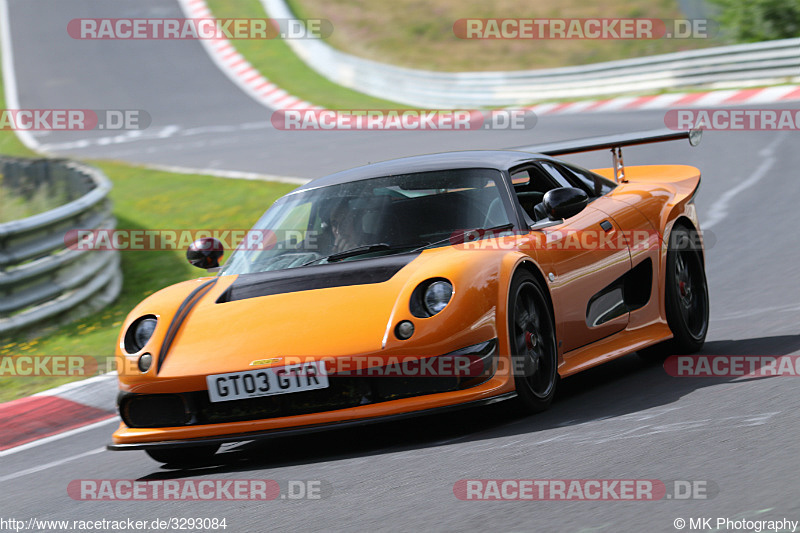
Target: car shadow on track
x=619 y=388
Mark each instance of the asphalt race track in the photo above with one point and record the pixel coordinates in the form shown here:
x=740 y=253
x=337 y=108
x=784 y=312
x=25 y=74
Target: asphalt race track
x=624 y=420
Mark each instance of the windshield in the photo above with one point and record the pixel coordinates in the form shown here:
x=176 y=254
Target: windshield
x=372 y=217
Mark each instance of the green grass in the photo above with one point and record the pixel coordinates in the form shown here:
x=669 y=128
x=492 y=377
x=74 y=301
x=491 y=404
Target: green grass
x=276 y=61
x=9 y=144
x=419 y=34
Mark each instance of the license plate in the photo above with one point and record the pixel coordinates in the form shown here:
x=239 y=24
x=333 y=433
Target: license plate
x=267 y=382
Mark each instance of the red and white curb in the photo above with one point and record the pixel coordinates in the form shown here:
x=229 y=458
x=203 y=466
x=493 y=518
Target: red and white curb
x=717 y=98
x=238 y=69
x=56 y=411
x=248 y=78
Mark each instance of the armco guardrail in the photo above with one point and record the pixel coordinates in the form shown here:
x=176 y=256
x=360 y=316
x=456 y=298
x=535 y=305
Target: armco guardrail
x=747 y=64
x=41 y=278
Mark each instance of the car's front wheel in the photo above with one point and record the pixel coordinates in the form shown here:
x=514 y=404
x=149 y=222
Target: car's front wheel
x=533 y=344
x=189 y=456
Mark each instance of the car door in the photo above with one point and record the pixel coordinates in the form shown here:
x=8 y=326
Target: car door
x=644 y=242
x=586 y=256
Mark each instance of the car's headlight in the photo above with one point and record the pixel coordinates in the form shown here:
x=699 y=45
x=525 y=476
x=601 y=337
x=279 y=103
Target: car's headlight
x=437 y=296
x=139 y=333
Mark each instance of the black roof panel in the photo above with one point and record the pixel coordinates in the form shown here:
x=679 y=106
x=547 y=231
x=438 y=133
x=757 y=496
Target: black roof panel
x=496 y=159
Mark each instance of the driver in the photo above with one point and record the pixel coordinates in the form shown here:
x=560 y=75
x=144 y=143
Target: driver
x=343 y=224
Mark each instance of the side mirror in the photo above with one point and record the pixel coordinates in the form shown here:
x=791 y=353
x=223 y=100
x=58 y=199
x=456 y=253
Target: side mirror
x=564 y=202
x=205 y=253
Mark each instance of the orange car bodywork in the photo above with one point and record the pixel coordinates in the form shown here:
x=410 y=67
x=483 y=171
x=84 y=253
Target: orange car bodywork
x=651 y=200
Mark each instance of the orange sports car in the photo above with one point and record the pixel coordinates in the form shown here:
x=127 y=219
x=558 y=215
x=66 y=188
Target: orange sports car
x=415 y=286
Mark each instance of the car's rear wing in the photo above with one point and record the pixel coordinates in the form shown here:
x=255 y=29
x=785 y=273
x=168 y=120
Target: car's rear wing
x=615 y=144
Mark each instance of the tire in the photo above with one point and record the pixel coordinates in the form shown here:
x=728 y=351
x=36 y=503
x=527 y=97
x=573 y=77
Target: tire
x=183 y=456
x=685 y=298
x=532 y=342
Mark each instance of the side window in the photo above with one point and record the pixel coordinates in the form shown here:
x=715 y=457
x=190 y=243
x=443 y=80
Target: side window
x=555 y=174
x=530 y=185
x=594 y=184
x=520 y=178
x=534 y=179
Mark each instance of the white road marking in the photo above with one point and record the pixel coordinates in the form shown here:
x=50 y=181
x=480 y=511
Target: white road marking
x=232 y=174
x=47 y=466
x=604 y=435
x=790 y=308
x=58 y=436
x=9 y=75
x=608 y=431
x=719 y=209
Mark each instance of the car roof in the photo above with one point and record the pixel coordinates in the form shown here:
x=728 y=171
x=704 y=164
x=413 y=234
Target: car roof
x=495 y=159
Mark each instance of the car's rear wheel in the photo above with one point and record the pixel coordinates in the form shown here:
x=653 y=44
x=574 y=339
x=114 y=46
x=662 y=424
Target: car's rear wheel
x=532 y=341
x=686 y=296
x=183 y=456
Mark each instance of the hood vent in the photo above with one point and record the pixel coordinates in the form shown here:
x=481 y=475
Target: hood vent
x=360 y=272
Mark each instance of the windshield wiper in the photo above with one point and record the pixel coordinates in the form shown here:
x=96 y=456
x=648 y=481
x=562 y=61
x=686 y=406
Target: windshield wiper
x=358 y=250
x=381 y=246
x=352 y=252
x=463 y=236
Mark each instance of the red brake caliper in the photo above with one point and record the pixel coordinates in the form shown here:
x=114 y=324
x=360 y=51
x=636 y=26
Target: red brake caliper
x=530 y=340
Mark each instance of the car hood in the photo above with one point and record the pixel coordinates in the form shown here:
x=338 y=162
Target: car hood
x=314 y=312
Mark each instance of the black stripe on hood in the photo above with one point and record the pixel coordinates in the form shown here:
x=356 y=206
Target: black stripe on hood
x=360 y=272
x=183 y=311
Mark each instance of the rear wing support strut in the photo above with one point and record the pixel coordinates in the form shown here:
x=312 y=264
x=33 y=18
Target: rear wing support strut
x=619 y=166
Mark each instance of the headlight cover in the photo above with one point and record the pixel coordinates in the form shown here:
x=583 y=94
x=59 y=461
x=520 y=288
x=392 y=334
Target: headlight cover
x=139 y=333
x=437 y=295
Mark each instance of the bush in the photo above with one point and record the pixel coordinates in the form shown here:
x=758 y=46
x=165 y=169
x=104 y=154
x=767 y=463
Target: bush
x=759 y=20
